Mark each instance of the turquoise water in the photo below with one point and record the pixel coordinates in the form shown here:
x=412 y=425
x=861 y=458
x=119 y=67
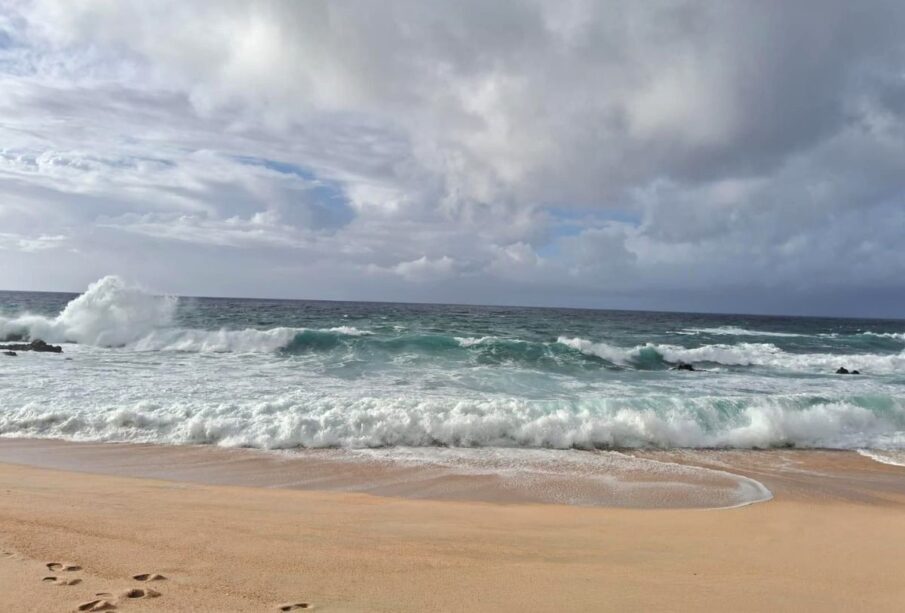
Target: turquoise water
x=285 y=374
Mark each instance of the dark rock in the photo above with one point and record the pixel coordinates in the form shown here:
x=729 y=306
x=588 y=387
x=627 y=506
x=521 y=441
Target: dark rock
x=39 y=345
x=683 y=366
x=842 y=370
x=10 y=353
x=36 y=345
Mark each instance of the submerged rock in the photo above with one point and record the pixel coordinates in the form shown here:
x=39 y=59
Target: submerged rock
x=683 y=366
x=35 y=345
x=842 y=370
x=10 y=353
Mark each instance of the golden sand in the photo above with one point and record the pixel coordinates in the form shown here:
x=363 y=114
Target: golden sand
x=232 y=548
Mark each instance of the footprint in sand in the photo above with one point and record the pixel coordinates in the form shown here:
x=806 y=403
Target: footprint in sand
x=97 y=605
x=149 y=577
x=58 y=567
x=137 y=592
x=294 y=606
x=60 y=581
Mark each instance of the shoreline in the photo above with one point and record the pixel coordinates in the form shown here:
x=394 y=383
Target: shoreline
x=502 y=476
x=236 y=548
x=641 y=479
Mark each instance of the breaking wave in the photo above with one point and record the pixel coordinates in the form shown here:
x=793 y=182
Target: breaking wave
x=414 y=376
x=110 y=313
x=289 y=340
x=735 y=331
x=299 y=419
x=899 y=336
x=652 y=355
x=113 y=313
x=892 y=457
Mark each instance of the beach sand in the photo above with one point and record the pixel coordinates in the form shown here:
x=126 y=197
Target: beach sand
x=833 y=538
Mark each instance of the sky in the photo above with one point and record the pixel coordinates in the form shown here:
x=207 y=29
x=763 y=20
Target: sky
x=670 y=155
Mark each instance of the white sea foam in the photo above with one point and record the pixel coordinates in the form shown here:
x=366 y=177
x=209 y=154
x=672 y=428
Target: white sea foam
x=112 y=313
x=312 y=419
x=471 y=341
x=249 y=340
x=741 y=354
x=216 y=341
x=549 y=468
x=894 y=457
x=233 y=388
x=611 y=353
x=350 y=331
x=109 y=313
x=736 y=331
x=899 y=336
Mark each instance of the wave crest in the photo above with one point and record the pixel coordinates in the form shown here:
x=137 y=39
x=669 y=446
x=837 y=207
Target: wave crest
x=312 y=421
x=110 y=313
x=899 y=336
x=736 y=331
x=653 y=356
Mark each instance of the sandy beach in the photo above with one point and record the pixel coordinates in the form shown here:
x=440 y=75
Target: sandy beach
x=831 y=539
x=417 y=307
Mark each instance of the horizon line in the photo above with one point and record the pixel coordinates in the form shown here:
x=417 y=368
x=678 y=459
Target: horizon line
x=489 y=305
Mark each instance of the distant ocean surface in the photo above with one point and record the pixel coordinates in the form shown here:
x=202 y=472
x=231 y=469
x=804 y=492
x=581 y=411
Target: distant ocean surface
x=277 y=374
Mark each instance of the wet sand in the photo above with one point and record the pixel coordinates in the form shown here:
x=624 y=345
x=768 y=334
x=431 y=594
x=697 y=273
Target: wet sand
x=830 y=539
x=505 y=476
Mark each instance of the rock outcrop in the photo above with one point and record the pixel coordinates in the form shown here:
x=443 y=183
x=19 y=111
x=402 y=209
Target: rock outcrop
x=683 y=366
x=35 y=345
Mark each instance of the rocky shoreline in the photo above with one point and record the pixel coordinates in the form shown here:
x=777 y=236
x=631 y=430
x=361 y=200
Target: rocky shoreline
x=38 y=345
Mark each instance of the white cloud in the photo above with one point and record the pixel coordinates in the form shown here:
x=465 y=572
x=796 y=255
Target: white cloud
x=29 y=244
x=538 y=151
x=424 y=269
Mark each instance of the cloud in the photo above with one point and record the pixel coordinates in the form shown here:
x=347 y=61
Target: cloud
x=424 y=269
x=15 y=242
x=681 y=154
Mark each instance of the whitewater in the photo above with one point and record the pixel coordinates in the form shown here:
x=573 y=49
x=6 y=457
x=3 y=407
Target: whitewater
x=270 y=374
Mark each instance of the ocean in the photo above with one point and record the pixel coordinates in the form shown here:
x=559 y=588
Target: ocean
x=289 y=374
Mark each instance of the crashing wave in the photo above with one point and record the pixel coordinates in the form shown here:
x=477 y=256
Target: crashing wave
x=899 y=336
x=110 y=313
x=113 y=313
x=735 y=331
x=299 y=419
x=471 y=341
x=743 y=354
x=892 y=457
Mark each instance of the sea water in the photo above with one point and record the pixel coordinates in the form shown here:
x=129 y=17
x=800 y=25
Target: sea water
x=285 y=374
